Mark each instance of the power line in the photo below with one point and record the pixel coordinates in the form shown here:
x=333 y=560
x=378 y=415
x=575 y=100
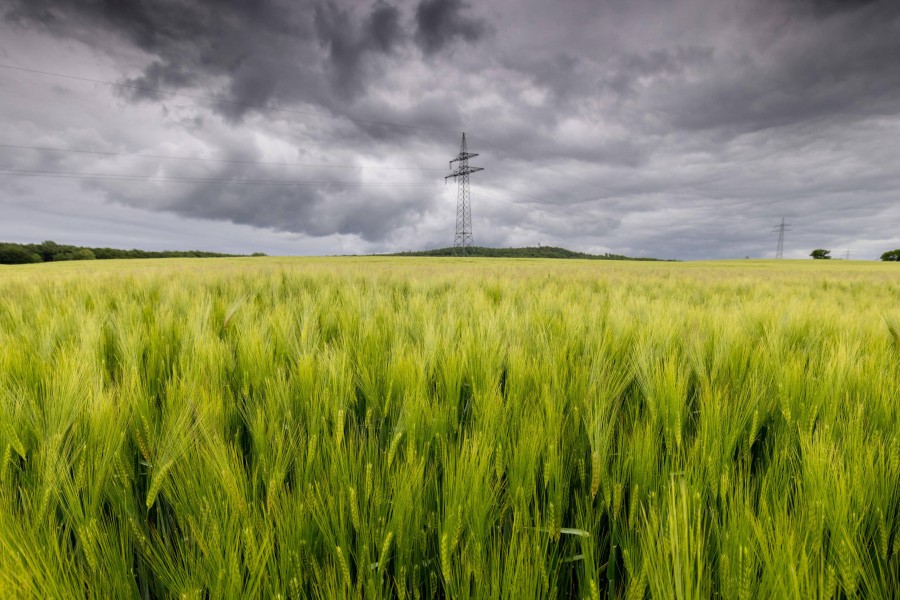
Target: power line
x=558 y=210
x=123 y=177
x=216 y=160
x=145 y=88
x=525 y=159
x=501 y=148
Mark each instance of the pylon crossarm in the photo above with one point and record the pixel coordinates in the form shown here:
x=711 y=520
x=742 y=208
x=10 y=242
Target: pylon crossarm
x=463 y=171
x=463 y=156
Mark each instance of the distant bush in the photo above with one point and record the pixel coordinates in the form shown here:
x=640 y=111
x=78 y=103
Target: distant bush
x=820 y=254
x=891 y=255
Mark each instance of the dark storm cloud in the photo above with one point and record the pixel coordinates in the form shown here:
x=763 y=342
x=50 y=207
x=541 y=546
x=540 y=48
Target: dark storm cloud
x=829 y=7
x=440 y=22
x=843 y=67
x=383 y=26
x=268 y=51
x=320 y=52
x=150 y=26
x=158 y=76
x=348 y=43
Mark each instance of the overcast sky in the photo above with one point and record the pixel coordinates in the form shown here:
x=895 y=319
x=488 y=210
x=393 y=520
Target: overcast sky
x=676 y=129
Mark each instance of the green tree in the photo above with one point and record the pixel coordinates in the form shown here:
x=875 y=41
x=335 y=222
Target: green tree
x=15 y=254
x=46 y=249
x=819 y=254
x=891 y=255
x=77 y=254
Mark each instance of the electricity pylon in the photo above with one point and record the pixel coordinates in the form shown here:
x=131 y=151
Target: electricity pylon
x=779 y=253
x=463 y=239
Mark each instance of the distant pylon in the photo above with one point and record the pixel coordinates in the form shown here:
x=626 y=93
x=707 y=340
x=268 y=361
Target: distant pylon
x=463 y=239
x=779 y=253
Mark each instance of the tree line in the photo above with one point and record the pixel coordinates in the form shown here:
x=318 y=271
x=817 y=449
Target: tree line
x=889 y=256
x=49 y=251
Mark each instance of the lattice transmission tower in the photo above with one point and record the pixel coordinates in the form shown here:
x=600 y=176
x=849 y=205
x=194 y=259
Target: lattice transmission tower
x=463 y=239
x=779 y=253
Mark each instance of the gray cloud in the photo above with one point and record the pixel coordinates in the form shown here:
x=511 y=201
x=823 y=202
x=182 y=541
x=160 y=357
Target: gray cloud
x=440 y=22
x=682 y=129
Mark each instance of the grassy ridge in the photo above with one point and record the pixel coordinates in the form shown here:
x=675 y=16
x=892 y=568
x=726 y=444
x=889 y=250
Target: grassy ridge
x=528 y=252
x=422 y=428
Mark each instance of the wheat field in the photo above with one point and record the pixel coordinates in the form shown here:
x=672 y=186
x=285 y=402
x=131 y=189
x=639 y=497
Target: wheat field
x=449 y=428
